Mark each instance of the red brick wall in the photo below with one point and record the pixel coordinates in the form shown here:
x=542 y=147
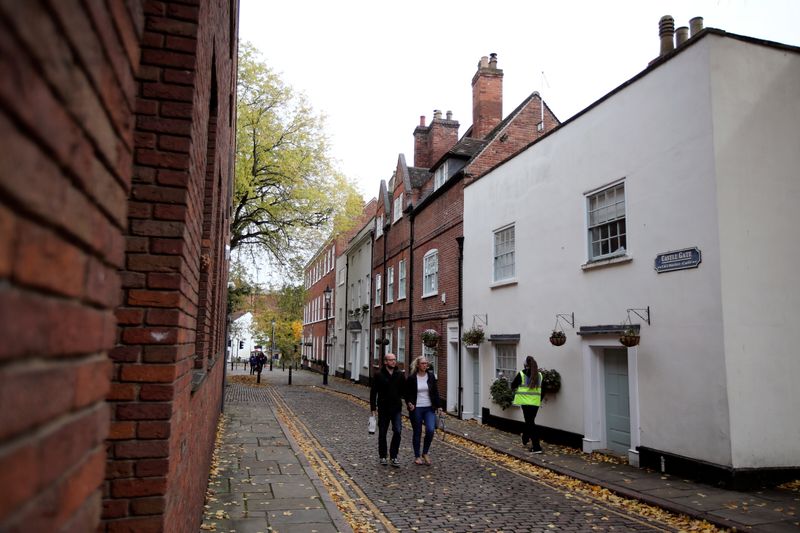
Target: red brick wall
x=167 y=376
x=517 y=134
x=437 y=226
x=67 y=97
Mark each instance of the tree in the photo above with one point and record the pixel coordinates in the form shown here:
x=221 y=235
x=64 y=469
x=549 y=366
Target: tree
x=287 y=195
x=287 y=312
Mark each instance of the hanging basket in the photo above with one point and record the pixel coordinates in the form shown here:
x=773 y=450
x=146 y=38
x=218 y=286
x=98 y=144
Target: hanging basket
x=629 y=340
x=430 y=338
x=558 y=338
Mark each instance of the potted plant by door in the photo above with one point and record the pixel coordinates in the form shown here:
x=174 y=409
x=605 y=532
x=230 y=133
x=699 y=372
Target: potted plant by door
x=501 y=393
x=472 y=337
x=630 y=337
x=430 y=338
x=558 y=338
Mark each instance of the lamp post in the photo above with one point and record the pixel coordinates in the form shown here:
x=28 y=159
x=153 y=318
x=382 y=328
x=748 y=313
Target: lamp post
x=272 y=352
x=327 y=293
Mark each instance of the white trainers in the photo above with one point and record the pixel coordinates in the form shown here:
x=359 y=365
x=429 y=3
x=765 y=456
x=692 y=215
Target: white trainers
x=384 y=461
x=395 y=463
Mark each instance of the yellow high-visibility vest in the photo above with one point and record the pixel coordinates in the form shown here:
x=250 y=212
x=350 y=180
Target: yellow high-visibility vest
x=528 y=395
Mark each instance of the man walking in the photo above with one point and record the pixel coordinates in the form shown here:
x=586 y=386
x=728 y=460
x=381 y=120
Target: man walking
x=386 y=401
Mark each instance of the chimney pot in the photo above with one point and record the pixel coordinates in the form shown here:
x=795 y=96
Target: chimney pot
x=666 y=33
x=681 y=36
x=422 y=120
x=493 y=60
x=449 y=115
x=483 y=63
x=437 y=114
x=696 y=25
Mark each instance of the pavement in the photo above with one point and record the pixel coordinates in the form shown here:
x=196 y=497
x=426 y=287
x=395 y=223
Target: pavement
x=256 y=436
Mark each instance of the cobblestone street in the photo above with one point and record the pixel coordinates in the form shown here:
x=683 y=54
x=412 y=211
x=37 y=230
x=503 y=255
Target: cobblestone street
x=460 y=492
x=299 y=459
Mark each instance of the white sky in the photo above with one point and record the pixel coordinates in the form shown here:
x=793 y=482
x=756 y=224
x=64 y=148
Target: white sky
x=373 y=67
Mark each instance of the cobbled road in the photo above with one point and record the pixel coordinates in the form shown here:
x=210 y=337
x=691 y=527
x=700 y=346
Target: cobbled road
x=461 y=492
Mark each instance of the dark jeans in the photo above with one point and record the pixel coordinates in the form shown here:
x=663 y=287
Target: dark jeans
x=396 y=420
x=529 y=432
x=418 y=416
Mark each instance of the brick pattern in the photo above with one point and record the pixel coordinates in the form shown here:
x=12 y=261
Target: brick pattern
x=166 y=386
x=432 y=142
x=66 y=117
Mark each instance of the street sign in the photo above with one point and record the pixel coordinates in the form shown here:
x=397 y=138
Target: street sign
x=678 y=260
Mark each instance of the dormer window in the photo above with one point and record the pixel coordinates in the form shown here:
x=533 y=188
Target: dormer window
x=440 y=176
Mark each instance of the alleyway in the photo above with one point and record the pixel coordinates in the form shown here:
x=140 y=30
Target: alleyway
x=299 y=458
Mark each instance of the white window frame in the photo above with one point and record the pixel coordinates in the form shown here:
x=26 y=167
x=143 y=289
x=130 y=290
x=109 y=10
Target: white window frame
x=378 y=226
x=401 y=345
x=507 y=358
x=430 y=355
x=377 y=348
x=440 y=176
x=389 y=285
x=397 y=211
x=341 y=275
x=401 y=280
x=430 y=273
x=387 y=334
x=607 y=216
x=378 y=300
x=504 y=251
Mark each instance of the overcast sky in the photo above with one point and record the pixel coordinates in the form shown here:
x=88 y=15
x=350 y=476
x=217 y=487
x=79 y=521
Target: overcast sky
x=373 y=67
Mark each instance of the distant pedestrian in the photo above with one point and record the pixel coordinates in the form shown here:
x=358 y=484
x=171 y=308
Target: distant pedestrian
x=258 y=364
x=422 y=399
x=386 y=401
x=245 y=363
x=252 y=364
x=527 y=387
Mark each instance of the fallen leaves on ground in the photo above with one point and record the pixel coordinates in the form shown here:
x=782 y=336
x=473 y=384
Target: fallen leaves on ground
x=250 y=381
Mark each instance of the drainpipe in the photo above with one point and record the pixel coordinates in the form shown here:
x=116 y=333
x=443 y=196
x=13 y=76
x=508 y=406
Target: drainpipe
x=410 y=283
x=386 y=229
x=460 y=240
x=346 y=314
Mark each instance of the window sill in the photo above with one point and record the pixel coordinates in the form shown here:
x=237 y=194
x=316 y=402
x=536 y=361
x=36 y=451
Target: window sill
x=600 y=263
x=503 y=283
x=400 y=299
x=431 y=295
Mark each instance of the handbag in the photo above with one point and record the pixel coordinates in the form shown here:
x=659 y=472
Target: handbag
x=371 y=423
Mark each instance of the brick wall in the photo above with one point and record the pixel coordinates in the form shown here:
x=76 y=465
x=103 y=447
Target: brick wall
x=514 y=137
x=67 y=97
x=167 y=372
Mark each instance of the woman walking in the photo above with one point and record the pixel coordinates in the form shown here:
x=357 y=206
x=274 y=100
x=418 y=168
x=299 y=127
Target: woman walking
x=422 y=399
x=528 y=394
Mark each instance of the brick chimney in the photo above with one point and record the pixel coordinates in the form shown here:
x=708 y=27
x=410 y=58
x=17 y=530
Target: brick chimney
x=487 y=97
x=432 y=142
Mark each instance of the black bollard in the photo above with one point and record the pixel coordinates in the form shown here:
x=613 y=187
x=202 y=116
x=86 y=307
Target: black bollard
x=290 y=374
x=270 y=364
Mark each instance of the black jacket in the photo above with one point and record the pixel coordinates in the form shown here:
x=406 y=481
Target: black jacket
x=411 y=390
x=387 y=391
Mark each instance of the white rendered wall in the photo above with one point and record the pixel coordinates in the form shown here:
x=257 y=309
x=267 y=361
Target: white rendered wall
x=359 y=268
x=657 y=135
x=757 y=150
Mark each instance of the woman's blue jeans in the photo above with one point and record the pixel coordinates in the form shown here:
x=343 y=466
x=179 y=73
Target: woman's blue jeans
x=418 y=416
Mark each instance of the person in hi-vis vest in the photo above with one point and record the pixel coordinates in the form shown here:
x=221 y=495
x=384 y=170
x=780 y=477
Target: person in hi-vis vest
x=527 y=387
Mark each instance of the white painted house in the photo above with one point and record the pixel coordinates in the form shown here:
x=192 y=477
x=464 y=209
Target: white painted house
x=358 y=258
x=699 y=151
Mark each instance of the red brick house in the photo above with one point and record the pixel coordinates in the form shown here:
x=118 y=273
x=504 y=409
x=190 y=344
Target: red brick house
x=117 y=122
x=430 y=238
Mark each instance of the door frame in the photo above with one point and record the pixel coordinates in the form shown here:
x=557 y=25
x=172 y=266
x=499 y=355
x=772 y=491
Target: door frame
x=594 y=408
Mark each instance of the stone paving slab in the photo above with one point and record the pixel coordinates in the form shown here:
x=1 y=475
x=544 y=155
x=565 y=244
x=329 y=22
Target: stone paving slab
x=264 y=483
